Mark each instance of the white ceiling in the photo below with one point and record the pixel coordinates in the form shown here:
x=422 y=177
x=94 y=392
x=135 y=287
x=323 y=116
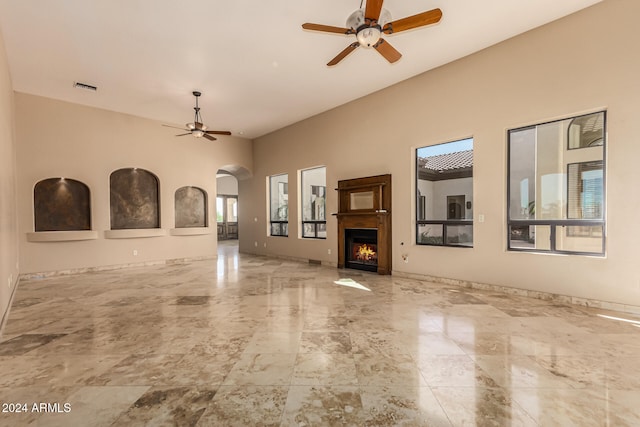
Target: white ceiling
x=257 y=69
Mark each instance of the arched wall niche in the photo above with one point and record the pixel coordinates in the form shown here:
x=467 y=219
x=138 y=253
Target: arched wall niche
x=191 y=207
x=134 y=195
x=61 y=204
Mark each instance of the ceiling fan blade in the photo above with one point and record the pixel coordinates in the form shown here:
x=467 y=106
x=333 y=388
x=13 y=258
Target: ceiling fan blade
x=183 y=134
x=217 y=132
x=175 y=127
x=389 y=52
x=373 y=9
x=415 y=21
x=343 y=54
x=209 y=137
x=327 y=28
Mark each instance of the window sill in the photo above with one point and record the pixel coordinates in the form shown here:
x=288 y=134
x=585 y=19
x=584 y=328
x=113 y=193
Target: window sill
x=61 y=236
x=190 y=231
x=134 y=233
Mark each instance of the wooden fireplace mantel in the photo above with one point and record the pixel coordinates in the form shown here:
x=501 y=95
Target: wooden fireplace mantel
x=376 y=215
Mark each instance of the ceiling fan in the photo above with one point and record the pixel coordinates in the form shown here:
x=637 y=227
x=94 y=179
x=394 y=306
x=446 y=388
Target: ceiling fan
x=369 y=23
x=196 y=128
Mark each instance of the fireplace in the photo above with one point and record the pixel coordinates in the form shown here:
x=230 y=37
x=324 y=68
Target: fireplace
x=364 y=223
x=361 y=247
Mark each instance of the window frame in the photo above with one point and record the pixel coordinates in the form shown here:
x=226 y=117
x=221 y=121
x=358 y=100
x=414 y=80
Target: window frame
x=554 y=224
x=279 y=223
x=444 y=222
x=316 y=223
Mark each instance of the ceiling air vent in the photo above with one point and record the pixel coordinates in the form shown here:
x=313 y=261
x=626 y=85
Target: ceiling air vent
x=85 y=86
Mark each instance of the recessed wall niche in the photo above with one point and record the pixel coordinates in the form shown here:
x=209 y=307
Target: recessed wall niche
x=134 y=199
x=61 y=204
x=190 y=207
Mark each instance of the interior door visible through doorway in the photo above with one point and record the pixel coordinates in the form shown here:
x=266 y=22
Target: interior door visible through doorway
x=227 y=217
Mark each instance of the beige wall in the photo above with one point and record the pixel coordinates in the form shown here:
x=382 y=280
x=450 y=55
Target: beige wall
x=59 y=139
x=8 y=212
x=227 y=185
x=582 y=63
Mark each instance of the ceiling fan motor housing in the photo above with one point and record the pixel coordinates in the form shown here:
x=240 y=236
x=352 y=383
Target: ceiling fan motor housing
x=368 y=32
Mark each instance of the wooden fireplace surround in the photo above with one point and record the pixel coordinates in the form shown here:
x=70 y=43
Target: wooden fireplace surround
x=373 y=213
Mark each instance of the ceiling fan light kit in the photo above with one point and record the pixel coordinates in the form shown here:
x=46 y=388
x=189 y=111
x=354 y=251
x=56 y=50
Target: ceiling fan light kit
x=197 y=129
x=367 y=34
x=370 y=23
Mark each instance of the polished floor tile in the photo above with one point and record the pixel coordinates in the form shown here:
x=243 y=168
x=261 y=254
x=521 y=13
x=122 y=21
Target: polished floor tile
x=241 y=406
x=402 y=406
x=254 y=341
x=324 y=406
x=479 y=406
x=324 y=369
x=181 y=406
x=26 y=342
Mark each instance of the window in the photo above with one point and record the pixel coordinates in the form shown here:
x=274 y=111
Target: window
x=313 y=183
x=219 y=209
x=279 y=205
x=556 y=188
x=444 y=194
x=227 y=216
x=232 y=209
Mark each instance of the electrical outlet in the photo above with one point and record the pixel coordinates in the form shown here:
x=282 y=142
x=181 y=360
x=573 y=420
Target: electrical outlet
x=264 y=244
x=135 y=252
x=255 y=244
x=405 y=258
x=329 y=251
x=481 y=218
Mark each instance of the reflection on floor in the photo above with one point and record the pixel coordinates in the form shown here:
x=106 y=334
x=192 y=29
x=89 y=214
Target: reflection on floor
x=247 y=340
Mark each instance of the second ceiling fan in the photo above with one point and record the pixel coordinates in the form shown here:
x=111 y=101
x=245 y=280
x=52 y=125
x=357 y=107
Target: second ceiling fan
x=370 y=23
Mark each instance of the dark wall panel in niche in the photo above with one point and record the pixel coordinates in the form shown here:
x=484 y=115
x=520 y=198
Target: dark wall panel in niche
x=191 y=207
x=61 y=204
x=134 y=199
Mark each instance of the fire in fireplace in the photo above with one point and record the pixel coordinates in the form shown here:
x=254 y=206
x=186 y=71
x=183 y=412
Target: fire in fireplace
x=365 y=252
x=362 y=249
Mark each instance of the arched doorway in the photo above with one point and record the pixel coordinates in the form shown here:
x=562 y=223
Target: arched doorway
x=229 y=211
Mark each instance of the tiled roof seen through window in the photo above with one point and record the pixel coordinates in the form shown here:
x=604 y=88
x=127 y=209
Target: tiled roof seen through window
x=448 y=162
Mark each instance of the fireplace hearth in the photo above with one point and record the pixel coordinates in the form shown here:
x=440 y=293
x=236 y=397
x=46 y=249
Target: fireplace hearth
x=364 y=224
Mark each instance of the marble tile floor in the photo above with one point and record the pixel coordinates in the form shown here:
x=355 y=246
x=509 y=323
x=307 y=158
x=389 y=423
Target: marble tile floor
x=253 y=341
